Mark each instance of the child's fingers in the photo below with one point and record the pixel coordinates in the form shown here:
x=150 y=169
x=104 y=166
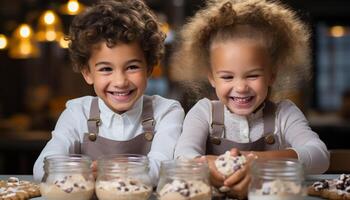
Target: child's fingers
x=200 y=159
x=236 y=177
x=235 y=152
x=240 y=190
x=94 y=168
x=216 y=177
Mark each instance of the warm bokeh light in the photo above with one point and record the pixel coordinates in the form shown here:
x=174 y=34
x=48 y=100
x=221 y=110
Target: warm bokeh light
x=25 y=31
x=3 y=41
x=63 y=43
x=337 y=31
x=72 y=7
x=22 y=43
x=49 y=17
x=49 y=27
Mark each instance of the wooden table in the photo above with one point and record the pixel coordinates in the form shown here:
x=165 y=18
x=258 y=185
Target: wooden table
x=309 y=180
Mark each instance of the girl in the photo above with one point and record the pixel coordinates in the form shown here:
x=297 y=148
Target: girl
x=249 y=50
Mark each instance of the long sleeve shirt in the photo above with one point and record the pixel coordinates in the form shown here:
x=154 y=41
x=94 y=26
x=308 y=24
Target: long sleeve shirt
x=291 y=127
x=72 y=125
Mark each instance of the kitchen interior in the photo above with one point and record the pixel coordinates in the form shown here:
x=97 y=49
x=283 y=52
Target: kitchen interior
x=36 y=83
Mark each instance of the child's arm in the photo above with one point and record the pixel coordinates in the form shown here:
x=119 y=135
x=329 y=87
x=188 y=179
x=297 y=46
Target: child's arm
x=63 y=141
x=169 y=117
x=297 y=134
x=192 y=142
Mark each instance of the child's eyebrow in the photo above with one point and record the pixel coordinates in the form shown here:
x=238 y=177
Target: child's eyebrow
x=256 y=70
x=134 y=60
x=102 y=63
x=128 y=62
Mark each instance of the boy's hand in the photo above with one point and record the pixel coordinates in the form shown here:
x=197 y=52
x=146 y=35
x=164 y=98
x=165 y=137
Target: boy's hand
x=94 y=168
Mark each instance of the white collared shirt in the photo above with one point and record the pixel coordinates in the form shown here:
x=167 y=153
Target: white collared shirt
x=72 y=125
x=291 y=128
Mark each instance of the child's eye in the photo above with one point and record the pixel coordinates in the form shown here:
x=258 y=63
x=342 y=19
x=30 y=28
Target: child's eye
x=133 y=67
x=105 y=69
x=226 y=77
x=254 y=76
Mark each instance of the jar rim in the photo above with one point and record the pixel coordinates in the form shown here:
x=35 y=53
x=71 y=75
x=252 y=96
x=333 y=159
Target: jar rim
x=123 y=163
x=68 y=157
x=123 y=158
x=65 y=162
x=284 y=168
x=184 y=168
x=289 y=162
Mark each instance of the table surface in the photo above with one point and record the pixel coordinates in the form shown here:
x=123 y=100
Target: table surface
x=309 y=180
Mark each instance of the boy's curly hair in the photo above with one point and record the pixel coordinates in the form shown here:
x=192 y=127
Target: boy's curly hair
x=114 y=21
x=285 y=36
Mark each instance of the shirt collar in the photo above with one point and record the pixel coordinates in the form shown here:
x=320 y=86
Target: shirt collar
x=251 y=117
x=107 y=115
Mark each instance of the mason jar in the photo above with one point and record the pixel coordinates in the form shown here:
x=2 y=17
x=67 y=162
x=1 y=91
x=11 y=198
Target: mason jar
x=67 y=177
x=280 y=179
x=123 y=177
x=184 y=179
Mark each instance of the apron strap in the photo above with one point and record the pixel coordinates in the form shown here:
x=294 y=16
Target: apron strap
x=148 y=121
x=269 y=118
x=94 y=117
x=217 y=124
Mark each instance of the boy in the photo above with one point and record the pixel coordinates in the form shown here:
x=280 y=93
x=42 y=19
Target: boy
x=115 y=45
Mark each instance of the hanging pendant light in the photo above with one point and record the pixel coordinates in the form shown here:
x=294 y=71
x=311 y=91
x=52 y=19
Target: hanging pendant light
x=49 y=27
x=22 y=43
x=3 y=42
x=72 y=7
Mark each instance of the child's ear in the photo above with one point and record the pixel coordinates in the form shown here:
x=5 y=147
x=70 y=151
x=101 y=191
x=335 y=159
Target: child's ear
x=211 y=79
x=87 y=76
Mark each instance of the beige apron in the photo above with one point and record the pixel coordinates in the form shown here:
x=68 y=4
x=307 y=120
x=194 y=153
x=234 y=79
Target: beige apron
x=217 y=145
x=95 y=146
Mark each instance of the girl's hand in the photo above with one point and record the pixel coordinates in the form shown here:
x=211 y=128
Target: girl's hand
x=216 y=178
x=239 y=181
x=94 y=168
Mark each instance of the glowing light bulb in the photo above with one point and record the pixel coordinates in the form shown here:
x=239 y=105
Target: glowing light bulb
x=337 y=31
x=24 y=31
x=73 y=6
x=3 y=41
x=49 y=17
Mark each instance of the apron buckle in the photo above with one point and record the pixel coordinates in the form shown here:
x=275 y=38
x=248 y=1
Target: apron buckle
x=92 y=137
x=149 y=136
x=215 y=140
x=96 y=120
x=270 y=139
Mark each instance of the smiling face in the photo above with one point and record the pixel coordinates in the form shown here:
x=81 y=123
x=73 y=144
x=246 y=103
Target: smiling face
x=118 y=74
x=240 y=73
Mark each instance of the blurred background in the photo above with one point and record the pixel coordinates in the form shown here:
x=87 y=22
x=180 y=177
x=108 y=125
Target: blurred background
x=36 y=77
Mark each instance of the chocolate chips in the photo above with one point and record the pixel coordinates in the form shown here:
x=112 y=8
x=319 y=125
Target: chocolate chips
x=321 y=185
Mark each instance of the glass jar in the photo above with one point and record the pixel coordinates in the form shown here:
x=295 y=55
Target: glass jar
x=67 y=177
x=184 y=179
x=280 y=179
x=122 y=177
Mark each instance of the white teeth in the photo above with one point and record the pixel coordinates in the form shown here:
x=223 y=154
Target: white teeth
x=120 y=93
x=242 y=99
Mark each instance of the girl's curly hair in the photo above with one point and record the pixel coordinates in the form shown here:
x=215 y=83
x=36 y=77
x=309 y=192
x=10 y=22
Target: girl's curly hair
x=285 y=36
x=114 y=21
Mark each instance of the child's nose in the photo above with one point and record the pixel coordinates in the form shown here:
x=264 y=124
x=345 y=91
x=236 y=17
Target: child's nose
x=241 y=86
x=120 y=79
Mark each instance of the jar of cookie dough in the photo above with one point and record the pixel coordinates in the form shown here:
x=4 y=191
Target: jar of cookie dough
x=277 y=179
x=123 y=177
x=184 y=180
x=67 y=177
